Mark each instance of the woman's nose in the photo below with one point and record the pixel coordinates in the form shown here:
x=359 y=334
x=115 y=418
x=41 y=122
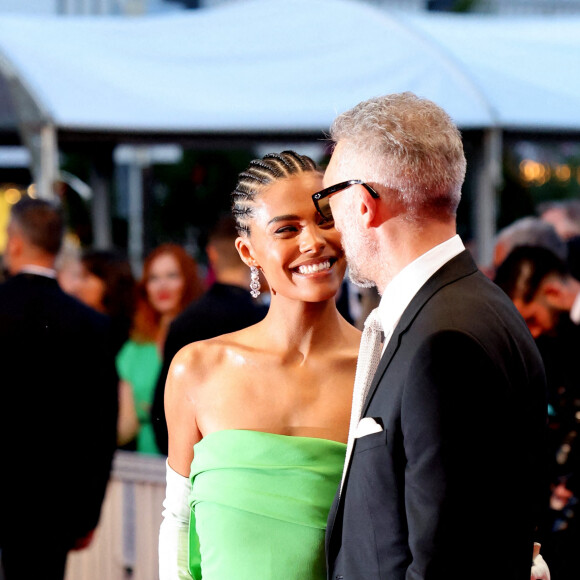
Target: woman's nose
x=312 y=240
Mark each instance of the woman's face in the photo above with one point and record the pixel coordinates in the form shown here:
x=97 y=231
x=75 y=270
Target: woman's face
x=90 y=289
x=301 y=256
x=164 y=284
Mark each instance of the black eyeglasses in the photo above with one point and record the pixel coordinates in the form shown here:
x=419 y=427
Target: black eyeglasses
x=321 y=199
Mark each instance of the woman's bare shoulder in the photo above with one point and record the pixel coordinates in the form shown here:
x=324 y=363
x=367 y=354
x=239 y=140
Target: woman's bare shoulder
x=199 y=359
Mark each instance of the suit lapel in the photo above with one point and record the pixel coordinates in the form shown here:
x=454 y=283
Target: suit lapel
x=458 y=267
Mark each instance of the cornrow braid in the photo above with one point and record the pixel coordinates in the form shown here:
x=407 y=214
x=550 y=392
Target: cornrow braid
x=259 y=174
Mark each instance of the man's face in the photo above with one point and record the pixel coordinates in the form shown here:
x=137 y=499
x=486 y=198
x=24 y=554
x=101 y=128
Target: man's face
x=357 y=246
x=540 y=316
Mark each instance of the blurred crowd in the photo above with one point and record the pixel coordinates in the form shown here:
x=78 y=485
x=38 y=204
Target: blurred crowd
x=175 y=300
x=536 y=262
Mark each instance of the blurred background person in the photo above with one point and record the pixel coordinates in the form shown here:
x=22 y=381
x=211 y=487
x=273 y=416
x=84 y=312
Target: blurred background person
x=68 y=266
x=548 y=297
x=565 y=217
x=526 y=231
x=58 y=403
x=227 y=306
x=106 y=283
x=170 y=281
x=541 y=286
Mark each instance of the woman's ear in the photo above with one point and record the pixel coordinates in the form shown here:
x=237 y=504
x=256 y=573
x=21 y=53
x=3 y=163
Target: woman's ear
x=244 y=247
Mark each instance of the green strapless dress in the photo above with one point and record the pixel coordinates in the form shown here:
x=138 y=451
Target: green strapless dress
x=259 y=505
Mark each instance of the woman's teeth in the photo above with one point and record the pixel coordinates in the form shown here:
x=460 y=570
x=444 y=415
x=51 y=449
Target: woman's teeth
x=310 y=269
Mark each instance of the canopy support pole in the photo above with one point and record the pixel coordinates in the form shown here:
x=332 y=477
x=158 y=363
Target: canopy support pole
x=138 y=160
x=488 y=181
x=47 y=169
x=100 y=181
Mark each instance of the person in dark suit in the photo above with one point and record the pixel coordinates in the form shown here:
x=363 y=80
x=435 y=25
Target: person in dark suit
x=58 y=404
x=548 y=297
x=226 y=307
x=447 y=451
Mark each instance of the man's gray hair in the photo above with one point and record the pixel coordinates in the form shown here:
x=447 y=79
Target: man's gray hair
x=410 y=146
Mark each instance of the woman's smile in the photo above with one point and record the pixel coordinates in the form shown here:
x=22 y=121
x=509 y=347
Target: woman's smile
x=318 y=267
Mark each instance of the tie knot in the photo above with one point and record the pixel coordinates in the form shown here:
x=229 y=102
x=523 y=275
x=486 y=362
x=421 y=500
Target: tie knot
x=373 y=321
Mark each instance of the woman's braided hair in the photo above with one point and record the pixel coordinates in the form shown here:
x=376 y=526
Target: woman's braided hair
x=260 y=174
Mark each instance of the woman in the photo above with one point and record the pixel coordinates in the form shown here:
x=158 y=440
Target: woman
x=106 y=283
x=265 y=409
x=168 y=284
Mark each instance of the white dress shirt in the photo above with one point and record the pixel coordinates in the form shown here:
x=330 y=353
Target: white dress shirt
x=403 y=287
x=575 y=310
x=38 y=271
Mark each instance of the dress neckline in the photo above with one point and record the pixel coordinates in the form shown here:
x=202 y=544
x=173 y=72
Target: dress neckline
x=252 y=432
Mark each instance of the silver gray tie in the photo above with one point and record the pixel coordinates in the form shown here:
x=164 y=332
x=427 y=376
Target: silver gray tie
x=367 y=363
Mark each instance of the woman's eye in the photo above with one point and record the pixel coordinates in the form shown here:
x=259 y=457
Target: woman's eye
x=327 y=225
x=286 y=230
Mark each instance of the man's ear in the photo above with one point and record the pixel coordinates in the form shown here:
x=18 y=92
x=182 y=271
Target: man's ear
x=368 y=207
x=244 y=247
x=14 y=244
x=212 y=254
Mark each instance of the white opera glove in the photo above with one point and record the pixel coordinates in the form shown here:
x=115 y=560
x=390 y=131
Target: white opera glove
x=174 y=530
x=540 y=570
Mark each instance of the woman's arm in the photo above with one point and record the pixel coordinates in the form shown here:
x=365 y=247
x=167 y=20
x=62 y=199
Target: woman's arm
x=128 y=422
x=174 y=530
x=184 y=380
x=174 y=557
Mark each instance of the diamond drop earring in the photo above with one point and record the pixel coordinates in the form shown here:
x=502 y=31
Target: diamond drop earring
x=254 y=282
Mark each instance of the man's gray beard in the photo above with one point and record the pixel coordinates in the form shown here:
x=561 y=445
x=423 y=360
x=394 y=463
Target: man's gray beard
x=357 y=249
x=359 y=280
x=352 y=259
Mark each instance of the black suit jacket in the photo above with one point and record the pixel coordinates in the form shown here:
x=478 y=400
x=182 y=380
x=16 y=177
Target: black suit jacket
x=452 y=479
x=58 y=413
x=222 y=309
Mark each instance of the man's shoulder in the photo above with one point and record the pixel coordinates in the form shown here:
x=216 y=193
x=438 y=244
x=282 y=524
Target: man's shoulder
x=21 y=290
x=221 y=302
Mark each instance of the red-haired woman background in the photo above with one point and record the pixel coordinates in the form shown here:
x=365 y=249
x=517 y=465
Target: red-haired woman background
x=170 y=281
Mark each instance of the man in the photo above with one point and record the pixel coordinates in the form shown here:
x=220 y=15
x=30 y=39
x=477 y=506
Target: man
x=527 y=231
x=226 y=307
x=563 y=215
x=442 y=473
x=58 y=404
x=548 y=298
x=541 y=286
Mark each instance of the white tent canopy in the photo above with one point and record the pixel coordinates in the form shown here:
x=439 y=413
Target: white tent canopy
x=291 y=66
x=287 y=67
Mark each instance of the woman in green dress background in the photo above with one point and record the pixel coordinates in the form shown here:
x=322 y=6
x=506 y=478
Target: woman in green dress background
x=258 y=419
x=169 y=282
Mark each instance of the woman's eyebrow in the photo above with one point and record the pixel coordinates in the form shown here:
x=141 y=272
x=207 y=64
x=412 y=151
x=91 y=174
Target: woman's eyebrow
x=283 y=218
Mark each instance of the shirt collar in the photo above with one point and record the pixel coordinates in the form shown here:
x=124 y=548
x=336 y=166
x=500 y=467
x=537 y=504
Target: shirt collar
x=403 y=287
x=38 y=270
x=575 y=310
